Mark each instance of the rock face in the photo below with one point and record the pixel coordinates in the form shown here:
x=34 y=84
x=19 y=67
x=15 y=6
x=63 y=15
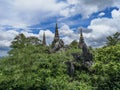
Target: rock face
x=87 y=56
x=82 y=60
x=44 y=40
x=58 y=45
x=56 y=36
x=70 y=68
x=76 y=56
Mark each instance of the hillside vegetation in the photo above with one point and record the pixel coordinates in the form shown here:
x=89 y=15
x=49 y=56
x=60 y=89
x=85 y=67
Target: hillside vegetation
x=30 y=66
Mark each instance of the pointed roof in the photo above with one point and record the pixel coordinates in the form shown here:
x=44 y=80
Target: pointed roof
x=81 y=36
x=56 y=37
x=56 y=27
x=44 y=39
x=81 y=40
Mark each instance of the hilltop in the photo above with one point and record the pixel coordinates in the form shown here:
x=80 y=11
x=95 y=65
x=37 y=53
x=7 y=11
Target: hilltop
x=32 y=67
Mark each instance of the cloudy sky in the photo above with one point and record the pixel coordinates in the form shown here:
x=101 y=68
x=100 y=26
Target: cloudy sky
x=98 y=18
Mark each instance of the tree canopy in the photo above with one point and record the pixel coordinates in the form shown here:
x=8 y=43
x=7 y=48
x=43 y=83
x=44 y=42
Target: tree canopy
x=30 y=67
x=114 y=39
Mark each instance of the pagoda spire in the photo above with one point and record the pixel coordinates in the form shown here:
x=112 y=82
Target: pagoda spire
x=81 y=40
x=56 y=37
x=44 y=39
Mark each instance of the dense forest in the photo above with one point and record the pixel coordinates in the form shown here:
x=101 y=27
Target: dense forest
x=31 y=66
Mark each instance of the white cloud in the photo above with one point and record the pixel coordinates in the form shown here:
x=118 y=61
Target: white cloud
x=65 y=30
x=117 y=3
x=5 y=40
x=72 y=2
x=87 y=7
x=28 y=34
x=116 y=13
x=49 y=35
x=67 y=34
x=65 y=12
x=103 y=27
x=101 y=14
x=6 y=37
x=22 y=13
x=67 y=40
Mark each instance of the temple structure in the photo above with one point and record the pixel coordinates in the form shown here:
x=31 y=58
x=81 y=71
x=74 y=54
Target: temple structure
x=87 y=56
x=82 y=60
x=56 y=36
x=57 y=43
x=44 y=39
x=81 y=40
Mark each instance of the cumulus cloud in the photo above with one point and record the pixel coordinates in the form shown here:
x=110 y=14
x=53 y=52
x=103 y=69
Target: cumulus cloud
x=5 y=40
x=88 y=7
x=22 y=13
x=67 y=34
x=65 y=30
x=103 y=27
x=101 y=14
x=49 y=35
x=95 y=34
x=6 y=37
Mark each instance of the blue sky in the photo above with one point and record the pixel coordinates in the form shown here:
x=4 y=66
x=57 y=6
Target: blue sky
x=98 y=18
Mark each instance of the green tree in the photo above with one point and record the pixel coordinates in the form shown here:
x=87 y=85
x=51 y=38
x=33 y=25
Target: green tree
x=107 y=68
x=114 y=39
x=22 y=43
x=19 y=42
x=33 y=41
x=31 y=68
x=74 y=44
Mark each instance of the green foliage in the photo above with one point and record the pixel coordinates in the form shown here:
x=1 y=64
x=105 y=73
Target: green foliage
x=21 y=43
x=107 y=68
x=30 y=67
x=74 y=44
x=114 y=39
